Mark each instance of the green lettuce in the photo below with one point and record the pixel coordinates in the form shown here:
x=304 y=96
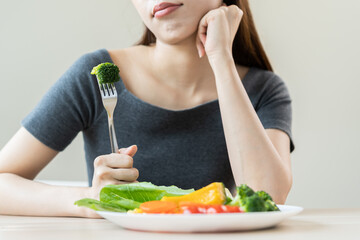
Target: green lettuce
x=99 y=206
x=130 y=196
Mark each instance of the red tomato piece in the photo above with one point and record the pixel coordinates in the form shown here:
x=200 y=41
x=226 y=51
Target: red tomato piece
x=191 y=208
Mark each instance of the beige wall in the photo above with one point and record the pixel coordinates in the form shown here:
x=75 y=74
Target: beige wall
x=313 y=45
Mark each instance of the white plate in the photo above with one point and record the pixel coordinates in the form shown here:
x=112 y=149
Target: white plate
x=201 y=222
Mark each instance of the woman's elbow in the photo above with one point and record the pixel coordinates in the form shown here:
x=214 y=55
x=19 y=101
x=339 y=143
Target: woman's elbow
x=283 y=191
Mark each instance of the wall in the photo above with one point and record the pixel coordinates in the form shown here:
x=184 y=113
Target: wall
x=313 y=46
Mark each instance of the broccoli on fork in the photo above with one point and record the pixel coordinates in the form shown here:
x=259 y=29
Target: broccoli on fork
x=106 y=73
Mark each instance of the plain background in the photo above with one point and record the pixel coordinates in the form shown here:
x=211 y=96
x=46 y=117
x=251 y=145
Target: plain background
x=312 y=44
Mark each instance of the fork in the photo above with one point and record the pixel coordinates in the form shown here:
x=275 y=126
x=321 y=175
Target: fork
x=109 y=98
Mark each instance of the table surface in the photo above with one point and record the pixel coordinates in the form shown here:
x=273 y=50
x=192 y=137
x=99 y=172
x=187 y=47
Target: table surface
x=310 y=224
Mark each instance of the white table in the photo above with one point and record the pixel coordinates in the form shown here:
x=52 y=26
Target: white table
x=317 y=224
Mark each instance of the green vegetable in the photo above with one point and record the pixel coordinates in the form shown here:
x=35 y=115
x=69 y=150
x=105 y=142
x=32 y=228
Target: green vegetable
x=251 y=201
x=99 y=206
x=269 y=203
x=130 y=196
x=244 y=191
x=229 y=197
x=106 y=73
x=264 y=195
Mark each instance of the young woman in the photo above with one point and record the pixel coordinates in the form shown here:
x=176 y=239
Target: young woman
x=197 y=96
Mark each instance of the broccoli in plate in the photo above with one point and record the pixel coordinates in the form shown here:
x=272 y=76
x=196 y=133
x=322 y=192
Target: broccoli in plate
x=106 y=73
x=269 y=203
x=251 y=201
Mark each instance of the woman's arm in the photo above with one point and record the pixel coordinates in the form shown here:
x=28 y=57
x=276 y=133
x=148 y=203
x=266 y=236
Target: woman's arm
x=24 y=157
x=21 y=159
x=258 y=157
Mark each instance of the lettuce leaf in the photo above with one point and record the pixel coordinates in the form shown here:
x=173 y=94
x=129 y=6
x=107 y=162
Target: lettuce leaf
x=140 y=192
x=99 y=206
x=130 y=196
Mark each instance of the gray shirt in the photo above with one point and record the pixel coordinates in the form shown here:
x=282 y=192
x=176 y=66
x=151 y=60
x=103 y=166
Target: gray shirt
x=185 y=148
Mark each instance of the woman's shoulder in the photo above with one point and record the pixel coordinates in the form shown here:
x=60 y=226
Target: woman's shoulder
x=262 y=84
x=128 y=55
x=259 y=78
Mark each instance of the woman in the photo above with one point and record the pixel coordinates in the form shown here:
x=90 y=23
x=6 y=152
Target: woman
x=197 y=96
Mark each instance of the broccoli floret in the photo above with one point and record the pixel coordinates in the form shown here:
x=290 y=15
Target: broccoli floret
x=271 y=206
x=253 y=203
x=269 y=203
x=106 y=73
x=264 y=195
x=244 y=191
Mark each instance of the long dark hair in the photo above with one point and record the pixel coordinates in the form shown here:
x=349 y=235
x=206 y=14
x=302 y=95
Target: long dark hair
x=247 y=48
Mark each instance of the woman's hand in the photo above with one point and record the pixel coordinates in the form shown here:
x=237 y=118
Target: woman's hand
x=217 y=31
x=115 y=168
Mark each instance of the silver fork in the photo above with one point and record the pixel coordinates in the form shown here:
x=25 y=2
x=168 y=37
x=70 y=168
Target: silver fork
x=109 y=99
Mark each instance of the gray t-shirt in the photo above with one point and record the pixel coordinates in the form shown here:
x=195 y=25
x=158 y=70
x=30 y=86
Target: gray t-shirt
x=185 y=148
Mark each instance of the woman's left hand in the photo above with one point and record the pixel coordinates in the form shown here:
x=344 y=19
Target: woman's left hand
x=217 y=31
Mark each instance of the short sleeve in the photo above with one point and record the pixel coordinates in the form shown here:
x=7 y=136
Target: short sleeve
x=274 y=107
x=68 y=107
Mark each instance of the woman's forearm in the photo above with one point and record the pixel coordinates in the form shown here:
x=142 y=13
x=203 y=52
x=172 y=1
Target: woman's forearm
x=20 y=196
x=253 y=158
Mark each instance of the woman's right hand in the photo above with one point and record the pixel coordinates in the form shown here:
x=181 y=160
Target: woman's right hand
x=114 y=168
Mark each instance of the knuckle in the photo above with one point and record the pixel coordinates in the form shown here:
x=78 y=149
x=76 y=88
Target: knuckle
x=100 y=173
x=220 y=13
x=238 y=11
x=128 y=161
x=99 y=161
x=235 y=9
x=135 y=173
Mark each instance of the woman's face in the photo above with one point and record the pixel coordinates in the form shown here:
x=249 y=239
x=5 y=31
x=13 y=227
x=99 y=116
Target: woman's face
x=172 y=21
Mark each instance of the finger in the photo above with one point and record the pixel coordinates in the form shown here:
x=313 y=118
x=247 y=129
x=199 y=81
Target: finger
x=199 y=47
x=127 y=175
x=129 y=151
x=202 y=31
x=114 y=160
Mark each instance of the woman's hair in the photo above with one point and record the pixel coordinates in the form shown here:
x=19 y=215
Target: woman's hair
x=247 y=49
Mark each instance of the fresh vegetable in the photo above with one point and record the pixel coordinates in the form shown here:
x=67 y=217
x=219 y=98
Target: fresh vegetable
x=99 y=206
x=250 y=201
x=145 y=197
x=167 y=207
x=159 y=207
x=269 y=203
x=213 y=193
x=197 y=208
x=244 y=191
x=130 y=196
x=106 y=73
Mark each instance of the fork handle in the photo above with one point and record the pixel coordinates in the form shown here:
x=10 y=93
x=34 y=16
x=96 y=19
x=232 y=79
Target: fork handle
x=113 y=141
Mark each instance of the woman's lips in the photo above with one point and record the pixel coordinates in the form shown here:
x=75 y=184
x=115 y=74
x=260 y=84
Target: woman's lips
x=164 y=8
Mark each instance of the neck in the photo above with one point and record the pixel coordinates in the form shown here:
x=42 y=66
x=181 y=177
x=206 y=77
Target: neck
x=179 y=65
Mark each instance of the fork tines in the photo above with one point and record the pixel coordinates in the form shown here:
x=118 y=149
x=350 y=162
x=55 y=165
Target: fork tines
x=107 y=89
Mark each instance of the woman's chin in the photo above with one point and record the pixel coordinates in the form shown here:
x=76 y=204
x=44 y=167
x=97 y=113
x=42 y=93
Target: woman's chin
x=176 y=38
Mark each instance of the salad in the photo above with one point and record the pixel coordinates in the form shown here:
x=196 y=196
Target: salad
x=147 y=198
